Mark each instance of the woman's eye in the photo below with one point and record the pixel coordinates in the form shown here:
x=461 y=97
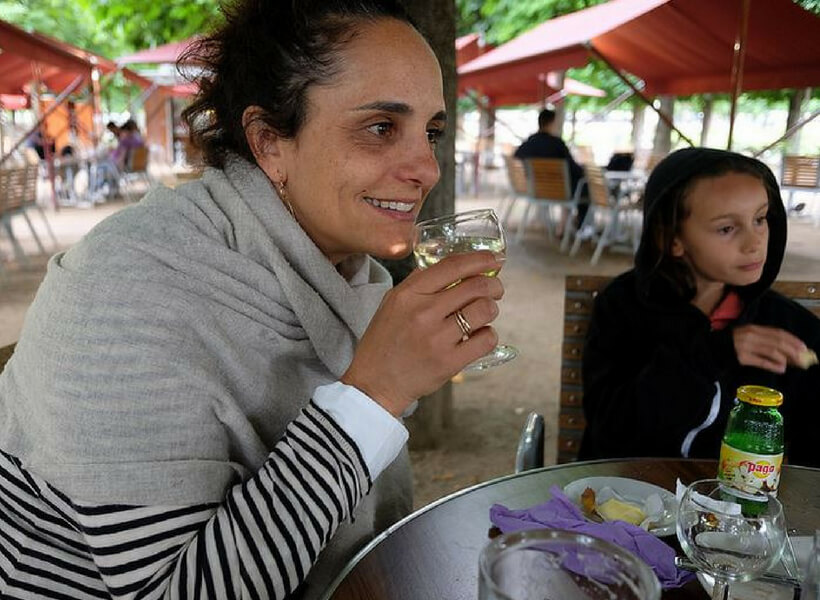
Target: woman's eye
x=726 y=229
x=381 y=129
x=762 y=220
x=434 y=135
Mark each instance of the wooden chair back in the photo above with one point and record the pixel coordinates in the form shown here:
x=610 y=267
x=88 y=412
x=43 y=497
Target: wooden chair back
x=597 y=185
x=5 y=355
x=579 y=295
x=517 y=175
x=138 y=159
x=14 y=187
x=548 y=179
x=801 y=172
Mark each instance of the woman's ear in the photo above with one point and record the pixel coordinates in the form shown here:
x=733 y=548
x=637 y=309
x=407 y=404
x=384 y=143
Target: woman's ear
x=677 y=250
x=264 y=143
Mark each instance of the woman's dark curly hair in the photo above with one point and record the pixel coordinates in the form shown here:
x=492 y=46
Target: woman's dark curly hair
x=268 y=53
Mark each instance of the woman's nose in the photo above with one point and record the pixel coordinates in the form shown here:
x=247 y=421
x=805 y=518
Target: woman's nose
x=420 y=164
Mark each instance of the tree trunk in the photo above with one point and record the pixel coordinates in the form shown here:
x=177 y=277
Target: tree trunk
x=663 y=134
x=708 y=103
x=487 y=133
x=437 y=22
x=560 y=113
x=796 y=100
x=638 y=113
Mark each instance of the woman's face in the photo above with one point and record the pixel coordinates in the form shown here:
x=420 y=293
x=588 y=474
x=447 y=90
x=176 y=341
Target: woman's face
x=363 y=163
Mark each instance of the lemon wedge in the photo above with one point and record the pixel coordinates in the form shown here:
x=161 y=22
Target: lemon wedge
x=616 y=510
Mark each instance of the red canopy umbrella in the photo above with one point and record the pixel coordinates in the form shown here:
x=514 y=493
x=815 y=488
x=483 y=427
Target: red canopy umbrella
x=21 y=51
x=521 y=91
x=13 y=101
x=676 y=46
x=167 y=53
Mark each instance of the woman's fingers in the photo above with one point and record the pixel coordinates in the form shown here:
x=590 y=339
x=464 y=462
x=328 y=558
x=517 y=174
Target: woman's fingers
x=453 y=269
x=475 y=315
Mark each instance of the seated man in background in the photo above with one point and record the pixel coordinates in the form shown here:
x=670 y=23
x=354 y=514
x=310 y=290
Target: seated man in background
x=545 y=143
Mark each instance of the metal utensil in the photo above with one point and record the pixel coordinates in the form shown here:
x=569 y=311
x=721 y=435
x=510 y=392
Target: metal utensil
x=789 y=559
x=684 y=563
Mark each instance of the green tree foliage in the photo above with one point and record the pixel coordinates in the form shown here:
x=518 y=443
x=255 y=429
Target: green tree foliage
x=112 y=27
x=140 y=24
x=71 y=21
x=502 y=20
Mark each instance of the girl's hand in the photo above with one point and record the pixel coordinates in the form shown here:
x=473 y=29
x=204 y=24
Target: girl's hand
x=414 y=344
x=768 y=348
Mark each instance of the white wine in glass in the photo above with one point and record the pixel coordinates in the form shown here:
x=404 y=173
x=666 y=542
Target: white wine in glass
x=457 y=234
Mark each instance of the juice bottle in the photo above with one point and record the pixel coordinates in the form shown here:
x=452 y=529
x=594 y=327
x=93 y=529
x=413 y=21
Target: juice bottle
x=751 y=454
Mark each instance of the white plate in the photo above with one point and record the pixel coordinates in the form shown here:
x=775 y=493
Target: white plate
x=631 y=490
x=757 y=590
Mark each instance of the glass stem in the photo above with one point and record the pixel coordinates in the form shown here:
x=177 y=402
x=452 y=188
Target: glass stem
x=720 y=591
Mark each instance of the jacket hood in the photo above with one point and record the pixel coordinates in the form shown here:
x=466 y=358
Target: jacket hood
x=675 y=171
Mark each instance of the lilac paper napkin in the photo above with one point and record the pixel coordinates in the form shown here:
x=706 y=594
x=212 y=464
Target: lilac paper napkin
x=561 y=513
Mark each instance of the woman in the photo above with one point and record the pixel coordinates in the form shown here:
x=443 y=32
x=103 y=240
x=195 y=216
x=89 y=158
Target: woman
x=158 y=432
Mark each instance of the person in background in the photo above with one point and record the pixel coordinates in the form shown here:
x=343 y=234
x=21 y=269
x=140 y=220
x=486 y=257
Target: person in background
x=35 y=141
x=129 y=138
x=672 y=339
x=105 y=174
x=547 y=143
x=206 y=398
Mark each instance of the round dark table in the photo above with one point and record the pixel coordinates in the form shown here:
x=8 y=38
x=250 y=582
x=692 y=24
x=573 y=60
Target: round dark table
x=433 y=553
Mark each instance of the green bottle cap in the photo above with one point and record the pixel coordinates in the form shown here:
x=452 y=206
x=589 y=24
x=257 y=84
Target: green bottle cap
x=759 y=395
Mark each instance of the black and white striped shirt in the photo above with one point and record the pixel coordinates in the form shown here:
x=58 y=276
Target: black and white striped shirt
x=259 y=543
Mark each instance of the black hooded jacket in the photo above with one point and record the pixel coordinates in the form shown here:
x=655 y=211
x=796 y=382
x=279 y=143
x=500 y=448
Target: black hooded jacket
x=658 y=381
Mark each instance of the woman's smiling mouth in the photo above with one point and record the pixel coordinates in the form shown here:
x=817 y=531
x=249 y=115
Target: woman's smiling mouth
x=403 y=207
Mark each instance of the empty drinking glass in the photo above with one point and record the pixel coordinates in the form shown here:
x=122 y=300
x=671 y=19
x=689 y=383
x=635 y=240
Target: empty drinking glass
x=562 y=565
x=729 y=534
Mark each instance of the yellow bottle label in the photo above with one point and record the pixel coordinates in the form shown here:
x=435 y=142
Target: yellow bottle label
x=749 y=472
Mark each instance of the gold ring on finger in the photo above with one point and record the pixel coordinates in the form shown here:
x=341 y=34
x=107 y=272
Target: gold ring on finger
x=463 y=324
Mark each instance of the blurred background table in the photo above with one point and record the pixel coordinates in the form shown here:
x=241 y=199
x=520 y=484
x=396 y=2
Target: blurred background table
x=433 y=553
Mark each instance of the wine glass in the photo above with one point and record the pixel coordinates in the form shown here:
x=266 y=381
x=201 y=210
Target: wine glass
x=565 y=565
x=729 y=534
x=464 y=232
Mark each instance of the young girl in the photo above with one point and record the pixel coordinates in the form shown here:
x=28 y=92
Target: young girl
x=672 y=339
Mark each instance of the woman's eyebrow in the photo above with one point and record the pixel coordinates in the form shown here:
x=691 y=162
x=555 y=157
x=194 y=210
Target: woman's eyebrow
x=386 y=106
x=400 y=108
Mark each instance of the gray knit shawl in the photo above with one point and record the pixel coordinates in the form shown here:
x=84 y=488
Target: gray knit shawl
x=165 y=353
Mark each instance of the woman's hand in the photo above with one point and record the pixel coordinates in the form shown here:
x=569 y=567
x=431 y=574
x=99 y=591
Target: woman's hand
x=768 y=348
x=414 y=344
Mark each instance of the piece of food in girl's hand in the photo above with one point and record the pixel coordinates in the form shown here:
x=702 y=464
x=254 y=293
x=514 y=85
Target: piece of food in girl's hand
x=808 y=358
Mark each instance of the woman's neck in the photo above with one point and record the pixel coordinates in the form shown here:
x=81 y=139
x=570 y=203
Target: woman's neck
x=708 y=296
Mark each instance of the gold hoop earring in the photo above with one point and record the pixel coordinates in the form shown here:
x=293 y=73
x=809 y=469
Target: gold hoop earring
x=282 y=191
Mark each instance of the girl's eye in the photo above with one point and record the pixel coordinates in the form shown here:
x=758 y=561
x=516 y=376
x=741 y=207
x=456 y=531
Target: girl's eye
x=761 y=220
x=434 y=135
x=381 y=129
x=726 y=229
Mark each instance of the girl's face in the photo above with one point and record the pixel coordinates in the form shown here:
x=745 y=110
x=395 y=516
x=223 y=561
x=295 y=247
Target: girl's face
x=725 y=237
x=363 y=163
